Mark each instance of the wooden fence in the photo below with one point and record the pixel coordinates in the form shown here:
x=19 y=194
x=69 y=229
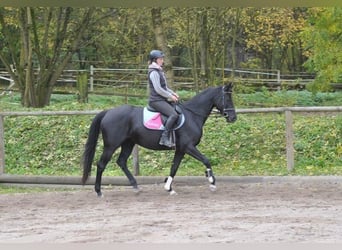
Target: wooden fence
x=100 y=78
x=289 y=133
x=184 y=79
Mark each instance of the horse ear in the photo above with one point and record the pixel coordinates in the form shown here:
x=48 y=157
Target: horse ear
x=229 y=87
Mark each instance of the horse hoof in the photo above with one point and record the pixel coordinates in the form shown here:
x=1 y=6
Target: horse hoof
x=100 y=195
x=137 y=190
x=173 y=192
x=212 y=188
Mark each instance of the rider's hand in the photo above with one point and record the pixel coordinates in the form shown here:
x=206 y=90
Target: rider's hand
x=175 y=98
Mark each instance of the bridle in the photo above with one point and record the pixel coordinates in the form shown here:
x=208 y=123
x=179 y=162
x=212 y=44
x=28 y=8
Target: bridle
x=225 y=111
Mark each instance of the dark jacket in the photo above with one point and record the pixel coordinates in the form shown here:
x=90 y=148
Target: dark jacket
x=159 y=90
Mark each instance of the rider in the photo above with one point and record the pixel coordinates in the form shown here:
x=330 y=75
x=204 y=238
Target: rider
x=161 y=97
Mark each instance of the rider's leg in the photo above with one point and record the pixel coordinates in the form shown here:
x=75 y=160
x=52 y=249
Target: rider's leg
x=166 y=135
x=168 y=110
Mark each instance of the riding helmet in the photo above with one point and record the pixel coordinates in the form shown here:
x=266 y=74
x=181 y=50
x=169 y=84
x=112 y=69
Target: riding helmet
x=154 y=54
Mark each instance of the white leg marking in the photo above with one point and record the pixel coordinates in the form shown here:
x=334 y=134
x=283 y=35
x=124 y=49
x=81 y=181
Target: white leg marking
x=168 y=183
x=212 y=188
x=173 y=192
x=211 y=179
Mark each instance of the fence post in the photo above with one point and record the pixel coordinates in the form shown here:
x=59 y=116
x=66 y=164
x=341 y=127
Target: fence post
x=91 y=79
x=82 y=86
x=136 y=160
x=2 y=146
x=289 y=140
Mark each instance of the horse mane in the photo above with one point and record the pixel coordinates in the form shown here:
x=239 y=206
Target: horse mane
x=192 y=104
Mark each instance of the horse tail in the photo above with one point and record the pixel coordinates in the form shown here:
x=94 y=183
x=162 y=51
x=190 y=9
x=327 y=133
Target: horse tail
x=90 y=146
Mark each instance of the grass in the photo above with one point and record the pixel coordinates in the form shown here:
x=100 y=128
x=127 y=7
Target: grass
x=254 y=145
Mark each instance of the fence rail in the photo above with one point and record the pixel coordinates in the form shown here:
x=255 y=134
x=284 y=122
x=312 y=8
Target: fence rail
x=183 y=78
x=289 y=133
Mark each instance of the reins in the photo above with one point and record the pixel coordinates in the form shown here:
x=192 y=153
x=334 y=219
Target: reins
x=224 y=111
x=180 y=103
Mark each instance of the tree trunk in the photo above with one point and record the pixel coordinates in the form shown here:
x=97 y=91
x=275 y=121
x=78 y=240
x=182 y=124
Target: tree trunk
x=29 y=99
x=234 y=39
x=161 y=43
x=192 y=48
x=204 y=47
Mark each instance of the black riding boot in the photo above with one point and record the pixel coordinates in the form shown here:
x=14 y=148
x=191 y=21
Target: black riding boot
x=165 y=139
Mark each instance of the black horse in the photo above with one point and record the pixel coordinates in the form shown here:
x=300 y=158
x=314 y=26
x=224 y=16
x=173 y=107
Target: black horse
x=123 y=127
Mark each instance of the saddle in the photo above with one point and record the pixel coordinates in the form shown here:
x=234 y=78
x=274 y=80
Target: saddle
x=153 y=119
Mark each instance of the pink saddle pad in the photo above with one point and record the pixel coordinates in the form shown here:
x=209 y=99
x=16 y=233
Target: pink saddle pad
x=153 y=121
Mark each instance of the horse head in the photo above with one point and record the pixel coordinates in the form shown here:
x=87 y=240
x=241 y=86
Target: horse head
x=225 y=103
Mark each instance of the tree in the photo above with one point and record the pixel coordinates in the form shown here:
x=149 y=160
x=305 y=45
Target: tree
x=271 y=33
x=161 y=42
x=202 y=37
x=47 y=38
x=121 y=37
x=234 y=37
x=203 y=44
x=323 y=40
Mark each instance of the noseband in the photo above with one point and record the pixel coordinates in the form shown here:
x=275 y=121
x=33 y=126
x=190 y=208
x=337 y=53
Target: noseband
x=225 y=110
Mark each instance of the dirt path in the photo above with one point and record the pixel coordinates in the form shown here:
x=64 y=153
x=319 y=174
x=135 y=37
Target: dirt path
x=236 y=212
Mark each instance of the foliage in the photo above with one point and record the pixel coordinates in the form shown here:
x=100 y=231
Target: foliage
x=272 y=33
x=200 y=38
x=319 y=147
x=40 y=48
x=120 y=37
x=323 y=39
x=285 y=98
x=254 y=145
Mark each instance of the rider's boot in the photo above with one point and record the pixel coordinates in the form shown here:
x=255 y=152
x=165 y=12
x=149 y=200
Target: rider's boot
x=166 y=139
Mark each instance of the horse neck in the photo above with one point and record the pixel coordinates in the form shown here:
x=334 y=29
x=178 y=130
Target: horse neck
x=202 y=104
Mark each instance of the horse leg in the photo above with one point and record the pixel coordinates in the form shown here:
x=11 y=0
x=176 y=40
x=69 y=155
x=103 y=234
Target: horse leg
x=175 y=164
x=193 y=151
x=126 y=150
x=101 y=165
